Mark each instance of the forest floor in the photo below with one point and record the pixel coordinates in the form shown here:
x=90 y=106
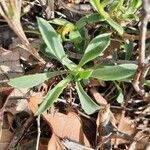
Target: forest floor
x=123 y=120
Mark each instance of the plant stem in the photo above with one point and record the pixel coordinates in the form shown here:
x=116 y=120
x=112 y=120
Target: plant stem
x=143 y=64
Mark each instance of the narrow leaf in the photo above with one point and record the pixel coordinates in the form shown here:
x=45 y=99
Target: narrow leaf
x=59 y=21
x=52 y=95
x=134 y=5
x=120 y=96
x=147 y=82
x=106 y=2
x=10 y=8
x=128 y=47
x=91 y=18
x=95 y=48
x=115 y=25
x=100 y=9
x=118 y=72
x=29 y=81
x=52 y=41
x=88 y=105
x=85 y=74
x=75 y=37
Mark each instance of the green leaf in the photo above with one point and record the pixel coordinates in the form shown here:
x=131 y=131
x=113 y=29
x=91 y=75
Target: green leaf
x=75 y=37
x=53 y=43
x=51 y=39
x=114 y=6
x=100 y=9
x=47 y=53
x=115 y=25
x=70 y=65
x=91 y=18
x=106 y=2
x=88 y=105
x=60 y=21
x=52 y=95
x=147 y=83
x=118 y=72
x=134 y=5
x=85 y=74
x=119 y=5
x=29 y=81
x=95 y=48
x=128 y=46
x=94 y=4
x=120 y=97
x=10 y=8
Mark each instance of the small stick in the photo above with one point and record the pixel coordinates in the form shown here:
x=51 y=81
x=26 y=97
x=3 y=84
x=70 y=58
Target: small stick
x=39 y=132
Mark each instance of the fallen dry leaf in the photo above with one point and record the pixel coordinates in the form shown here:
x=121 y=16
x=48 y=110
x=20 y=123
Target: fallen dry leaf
x=15 y=105
x=103 y=125
x=10 y=65
x=25 y=55
x=11 y=108
x=64 y=126
x=142 y=140
x=125 y=125
x=6 y=138
x=54 y=143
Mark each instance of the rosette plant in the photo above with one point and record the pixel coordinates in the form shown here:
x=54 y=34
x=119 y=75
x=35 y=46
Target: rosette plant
x=73 y=72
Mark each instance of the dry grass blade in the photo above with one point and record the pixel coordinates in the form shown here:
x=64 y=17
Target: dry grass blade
x=11 y=11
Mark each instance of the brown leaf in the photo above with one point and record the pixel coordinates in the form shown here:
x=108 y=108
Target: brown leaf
x=14 y=105
x=103 y=119
x=64 y=126
x=10 y=65
x=18 y=46
x=6 y=138
x=104 y=128
x=125 y=125
x=143 y=140
x=54 y=143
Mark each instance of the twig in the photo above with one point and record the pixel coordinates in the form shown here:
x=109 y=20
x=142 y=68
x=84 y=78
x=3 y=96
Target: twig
x=134 y=37
x=39 y=132
x=143 y=64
